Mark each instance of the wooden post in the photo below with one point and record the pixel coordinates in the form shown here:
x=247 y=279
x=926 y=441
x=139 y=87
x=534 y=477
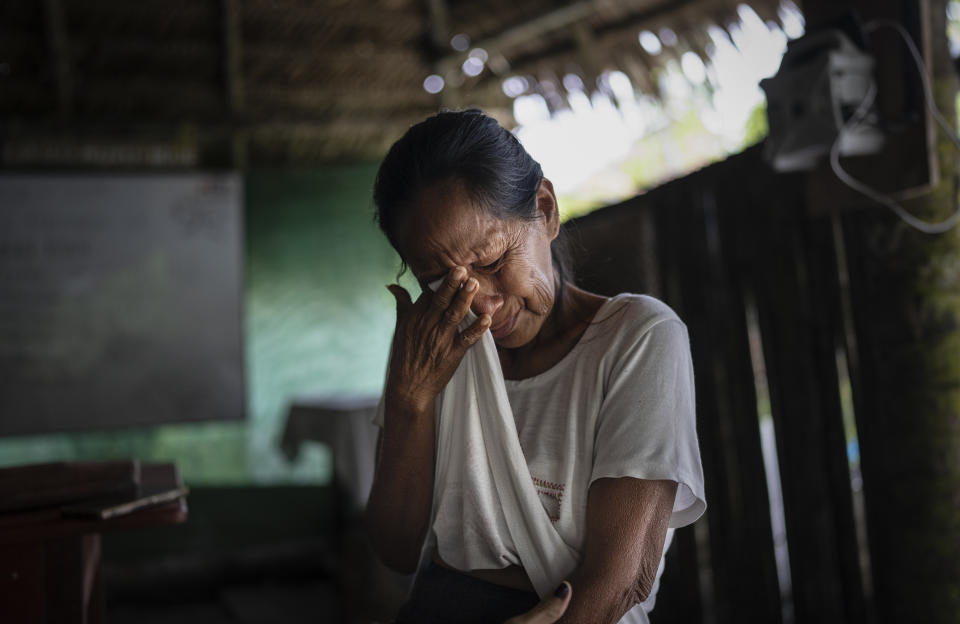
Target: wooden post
x=233 y=77
x=795 y=282
x=699 y=273
x=905 y=287
x=58 y=44
x=439 y=18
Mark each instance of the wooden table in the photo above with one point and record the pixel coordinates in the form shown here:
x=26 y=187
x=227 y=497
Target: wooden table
x=50 y=565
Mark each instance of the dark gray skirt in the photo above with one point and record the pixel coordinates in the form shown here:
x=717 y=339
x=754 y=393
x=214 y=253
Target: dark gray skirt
x=444 y=596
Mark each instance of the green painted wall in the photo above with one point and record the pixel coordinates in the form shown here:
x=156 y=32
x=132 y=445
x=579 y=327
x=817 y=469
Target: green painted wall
x=318 y=322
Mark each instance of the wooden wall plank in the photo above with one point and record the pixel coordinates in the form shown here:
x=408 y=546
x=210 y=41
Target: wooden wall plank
x=678 y=600
x=794 y=283
x=908 y=414
x=613 y=250
x=699 y=285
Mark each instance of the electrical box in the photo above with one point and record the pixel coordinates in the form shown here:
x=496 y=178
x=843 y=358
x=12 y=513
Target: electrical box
x=823 y=80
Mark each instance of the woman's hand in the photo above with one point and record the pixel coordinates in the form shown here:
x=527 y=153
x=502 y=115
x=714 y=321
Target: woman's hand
x=427 y=348
x=549 y=610
x=427 y=345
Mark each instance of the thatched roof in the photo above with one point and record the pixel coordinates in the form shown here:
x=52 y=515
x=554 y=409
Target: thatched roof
x=186 y=82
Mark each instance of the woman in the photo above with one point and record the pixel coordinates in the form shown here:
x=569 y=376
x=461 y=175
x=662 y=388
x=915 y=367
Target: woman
x=601 y=391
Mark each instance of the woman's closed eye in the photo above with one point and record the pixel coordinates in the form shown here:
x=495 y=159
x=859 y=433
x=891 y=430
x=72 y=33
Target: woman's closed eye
x=493 y=266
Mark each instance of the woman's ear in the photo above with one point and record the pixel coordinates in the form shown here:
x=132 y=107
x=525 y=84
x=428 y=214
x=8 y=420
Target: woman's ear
x=548 y=207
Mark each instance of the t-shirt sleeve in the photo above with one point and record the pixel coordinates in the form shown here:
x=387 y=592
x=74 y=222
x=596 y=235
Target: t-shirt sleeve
x=646 y=427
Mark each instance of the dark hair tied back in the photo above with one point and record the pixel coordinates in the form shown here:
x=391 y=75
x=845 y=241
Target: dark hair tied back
x=466 y=146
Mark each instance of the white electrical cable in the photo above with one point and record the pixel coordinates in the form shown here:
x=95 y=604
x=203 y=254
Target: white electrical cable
x=860 y=114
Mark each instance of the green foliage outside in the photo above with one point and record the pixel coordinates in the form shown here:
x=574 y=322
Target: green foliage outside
x=679 y=148
x=756 y=128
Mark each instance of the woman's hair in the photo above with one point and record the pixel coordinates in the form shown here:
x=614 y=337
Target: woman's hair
x=473 y=149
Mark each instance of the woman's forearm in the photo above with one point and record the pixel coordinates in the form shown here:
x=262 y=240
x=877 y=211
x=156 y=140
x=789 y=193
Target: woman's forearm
x=598 y=599
x=398 y=510
x=627 y=522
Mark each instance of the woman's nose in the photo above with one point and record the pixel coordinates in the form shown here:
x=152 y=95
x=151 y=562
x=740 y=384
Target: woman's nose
x=486 y=302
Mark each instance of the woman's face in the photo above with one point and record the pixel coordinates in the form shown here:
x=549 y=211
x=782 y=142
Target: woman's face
x=510 y=258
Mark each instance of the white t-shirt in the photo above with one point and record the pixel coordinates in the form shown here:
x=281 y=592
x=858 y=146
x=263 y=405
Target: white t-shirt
x=619 y=404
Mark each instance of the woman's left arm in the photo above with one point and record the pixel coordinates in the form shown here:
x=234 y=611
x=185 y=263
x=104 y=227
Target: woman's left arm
x=627 y=521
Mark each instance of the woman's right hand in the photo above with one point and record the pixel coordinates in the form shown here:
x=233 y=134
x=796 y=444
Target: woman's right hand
x=427 y=344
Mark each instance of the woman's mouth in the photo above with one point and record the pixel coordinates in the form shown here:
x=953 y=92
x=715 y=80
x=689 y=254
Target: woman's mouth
x=505 y=328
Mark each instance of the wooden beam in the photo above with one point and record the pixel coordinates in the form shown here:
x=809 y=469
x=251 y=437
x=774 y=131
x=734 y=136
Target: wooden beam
x=665 y=12
x=405 y=16
x=47 y=132
x=526 y=31
x=155 y=145
x=194 y=54
x=139 y=97
x=592 y=59
x=639 y=72
x=320 y=23
x=233 y=74
x=232 y=54
x=439 y=24
x=602 y=37
x=282 y=100
x=439 y=18
x=570 y=14
x=58 y=46
x=286 y=51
